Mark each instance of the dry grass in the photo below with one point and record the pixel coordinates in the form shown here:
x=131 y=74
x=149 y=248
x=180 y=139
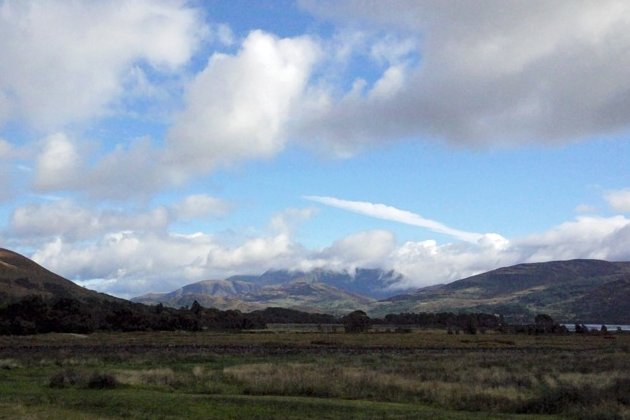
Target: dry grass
x=151 y=377
x=478 y=382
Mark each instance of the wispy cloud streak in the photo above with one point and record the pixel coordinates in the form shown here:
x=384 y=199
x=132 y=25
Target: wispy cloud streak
x=382 y=211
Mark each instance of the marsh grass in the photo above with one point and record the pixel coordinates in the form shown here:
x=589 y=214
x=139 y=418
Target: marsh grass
x=592 y=380
x=478 y=382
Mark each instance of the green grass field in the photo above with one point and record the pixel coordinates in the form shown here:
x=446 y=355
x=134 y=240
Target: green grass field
x=425 y=374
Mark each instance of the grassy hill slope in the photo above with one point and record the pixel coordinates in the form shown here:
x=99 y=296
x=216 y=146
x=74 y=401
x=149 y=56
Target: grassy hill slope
x=20 y=276
x=575 y=290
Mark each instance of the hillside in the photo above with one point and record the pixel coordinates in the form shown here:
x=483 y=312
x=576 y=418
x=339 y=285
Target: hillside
x=20 y=276
x=575 y=290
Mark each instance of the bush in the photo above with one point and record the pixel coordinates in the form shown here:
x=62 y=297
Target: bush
x=100 y=380
x=356 y=321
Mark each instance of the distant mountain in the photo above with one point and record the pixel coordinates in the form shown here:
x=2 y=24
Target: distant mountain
x=221 y=294
x=317 y=291
x=372 y=283
x=301 y=293
x=20 y=277
x=576 y=290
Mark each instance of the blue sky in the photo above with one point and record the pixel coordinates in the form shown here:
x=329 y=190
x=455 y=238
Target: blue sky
x=149 y=144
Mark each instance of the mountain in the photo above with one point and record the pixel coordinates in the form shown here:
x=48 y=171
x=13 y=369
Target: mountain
x=372 y=283
x=301 y=293
x=575 y=290
x=20 y=277
x=318 y=290
x=221 y=294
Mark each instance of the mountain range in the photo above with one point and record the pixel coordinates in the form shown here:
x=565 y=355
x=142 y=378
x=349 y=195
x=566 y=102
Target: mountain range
x=590 y=291
x=314 y=291
x=575 y=290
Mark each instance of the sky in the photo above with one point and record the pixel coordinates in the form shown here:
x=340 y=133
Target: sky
x=145 y=145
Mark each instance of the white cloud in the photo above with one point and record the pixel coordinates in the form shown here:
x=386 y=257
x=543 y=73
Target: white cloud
x=370 y=249
x=59 y=164
x=619 y=200
x=585 y=237
x=65 y=62
x=287 y=221
x=382 y=211
x=128 y=263
x=127 y=172
x=425 y=263
x=64 y=219
x=199 y=206
x=484 y=76
x=239 y=106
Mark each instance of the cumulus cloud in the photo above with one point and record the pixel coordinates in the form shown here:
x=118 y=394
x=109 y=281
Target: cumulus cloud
x=489 y=73
x=368 y=249
x=619 y=200
x=382 y=211
x=128 y=263
x=152 y=258
x=130 y=171
x=59 y=164
x=65 y=62
x=71 y=222
x=427 y=262
x=239 y=106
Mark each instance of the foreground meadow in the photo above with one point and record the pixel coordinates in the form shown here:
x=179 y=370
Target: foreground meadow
x=423 y=374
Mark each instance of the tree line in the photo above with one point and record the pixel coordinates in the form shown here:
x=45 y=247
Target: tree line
x=35 y=314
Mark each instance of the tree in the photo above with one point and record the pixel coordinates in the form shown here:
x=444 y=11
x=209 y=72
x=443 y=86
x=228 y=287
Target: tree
x=196 y=308
x=543 y=320
x=356 y=321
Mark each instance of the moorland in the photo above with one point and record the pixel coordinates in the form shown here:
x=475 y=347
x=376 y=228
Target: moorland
x=262 y=374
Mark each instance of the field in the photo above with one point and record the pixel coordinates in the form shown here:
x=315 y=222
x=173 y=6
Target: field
x=422 y=374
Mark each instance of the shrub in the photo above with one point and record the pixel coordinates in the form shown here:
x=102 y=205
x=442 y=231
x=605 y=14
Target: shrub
x=100 y=380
